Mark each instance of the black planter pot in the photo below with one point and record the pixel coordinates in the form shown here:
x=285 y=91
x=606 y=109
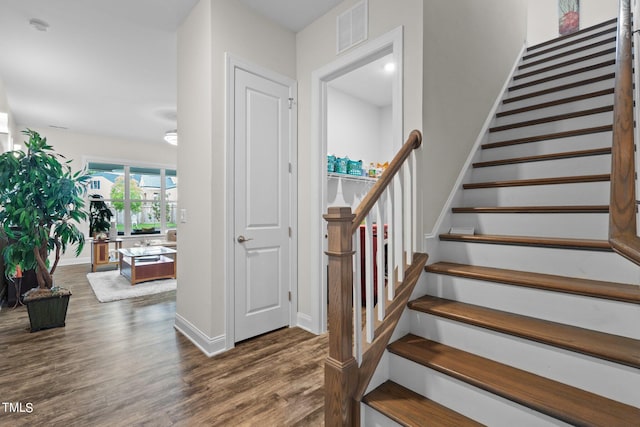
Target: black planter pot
x=49 y=312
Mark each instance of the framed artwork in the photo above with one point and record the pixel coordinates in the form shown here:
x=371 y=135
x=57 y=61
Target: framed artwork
x=568 y=16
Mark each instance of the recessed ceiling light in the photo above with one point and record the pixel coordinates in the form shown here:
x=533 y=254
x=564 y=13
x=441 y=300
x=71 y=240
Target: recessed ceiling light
x=171 y=137
x=39 y=24
x=390 y=67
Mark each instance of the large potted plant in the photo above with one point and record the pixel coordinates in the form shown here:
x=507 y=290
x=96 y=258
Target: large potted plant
x=99 y=217
x=41 y=204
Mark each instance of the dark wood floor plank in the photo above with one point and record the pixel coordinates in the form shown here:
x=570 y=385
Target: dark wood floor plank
x=593 y=343
x=570 y=404
x=572 y=285
x=122 y=363
x=410 y=409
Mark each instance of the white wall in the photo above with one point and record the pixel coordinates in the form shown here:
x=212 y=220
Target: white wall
x=469 y=49
x=542 y=20
x=5 y=139
x=355 y=128
x=213 y=28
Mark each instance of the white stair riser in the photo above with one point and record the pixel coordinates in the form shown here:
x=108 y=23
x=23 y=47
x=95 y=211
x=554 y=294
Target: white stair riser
x=583 y=264
x=589 y=50
x=585 y=104
x=560 y=94
x=592 y=193
x=573 y=166
x=592 y=120
x=577 y=70
x=465 y=399
x=605 y=378
x=578 y=226
x=559 y=145
x=582 y=44
x=369 y=417
x=608 y=316
x=553 y=84
x=601 y=54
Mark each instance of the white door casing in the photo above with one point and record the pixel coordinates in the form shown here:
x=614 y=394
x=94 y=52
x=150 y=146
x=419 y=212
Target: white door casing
x=262 y=204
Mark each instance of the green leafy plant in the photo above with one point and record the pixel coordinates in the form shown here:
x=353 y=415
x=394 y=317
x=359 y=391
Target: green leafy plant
x=41 y=203
x=99 y=215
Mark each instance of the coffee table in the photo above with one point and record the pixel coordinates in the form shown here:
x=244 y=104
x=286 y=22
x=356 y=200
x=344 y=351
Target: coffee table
x=147 y=263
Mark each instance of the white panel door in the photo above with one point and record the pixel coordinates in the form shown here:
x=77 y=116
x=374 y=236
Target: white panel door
x=262 y=258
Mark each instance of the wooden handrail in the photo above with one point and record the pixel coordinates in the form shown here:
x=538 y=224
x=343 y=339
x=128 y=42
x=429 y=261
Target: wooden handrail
x=413 y=142
x=623 y=235
x=345 y=378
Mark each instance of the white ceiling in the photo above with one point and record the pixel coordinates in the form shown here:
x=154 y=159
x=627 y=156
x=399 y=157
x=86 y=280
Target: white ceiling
x=370 y=83
x=107 y=67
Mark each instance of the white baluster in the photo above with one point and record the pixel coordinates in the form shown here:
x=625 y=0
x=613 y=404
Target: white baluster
x=368 y=262
x=391 y=283
x=357 y=298
x=380 y=258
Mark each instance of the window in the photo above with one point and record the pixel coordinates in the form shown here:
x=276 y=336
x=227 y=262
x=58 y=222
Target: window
x=95 y=184
x=144 y=199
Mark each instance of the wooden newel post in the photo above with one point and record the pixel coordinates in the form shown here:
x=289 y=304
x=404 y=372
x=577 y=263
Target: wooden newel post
x=341 y=368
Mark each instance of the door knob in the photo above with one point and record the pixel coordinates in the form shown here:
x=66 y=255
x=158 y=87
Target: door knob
x=242 y=239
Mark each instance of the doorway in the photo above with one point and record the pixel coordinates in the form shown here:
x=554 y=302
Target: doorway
x=261 y=140
x=389 y=47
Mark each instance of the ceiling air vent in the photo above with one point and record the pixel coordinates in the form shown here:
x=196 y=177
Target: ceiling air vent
x=352 y=26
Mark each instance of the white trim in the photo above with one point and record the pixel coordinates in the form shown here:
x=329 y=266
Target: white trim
x=304 y=322
x=74 y=261
x=209 y=346
x=389 y=43
x=456 y=191
x=233 y=62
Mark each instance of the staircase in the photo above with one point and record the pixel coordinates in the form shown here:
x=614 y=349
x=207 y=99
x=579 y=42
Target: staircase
x=532 y=320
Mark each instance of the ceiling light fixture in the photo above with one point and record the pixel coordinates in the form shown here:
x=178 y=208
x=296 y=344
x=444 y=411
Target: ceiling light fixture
x=171 y=137
x=390 y=67
x=39 y=24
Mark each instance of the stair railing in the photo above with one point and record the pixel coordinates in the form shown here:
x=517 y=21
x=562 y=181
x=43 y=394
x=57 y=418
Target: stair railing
x=623 y=233
x=355 y=350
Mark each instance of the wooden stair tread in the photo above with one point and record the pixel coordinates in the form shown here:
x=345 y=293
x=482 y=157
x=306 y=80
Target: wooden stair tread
x=573 y=35
x=544 y=157
x=556 y=102
x=601 y=345
x=534 y=209
x=559 y=88
x=539 y=181
x=539 y=52
x=410 y=409
x=546 y=242
x=609 y=41
x=554 y=118
x=572 y=285
x=560 y=75
x=548 y=136
x=564 y=402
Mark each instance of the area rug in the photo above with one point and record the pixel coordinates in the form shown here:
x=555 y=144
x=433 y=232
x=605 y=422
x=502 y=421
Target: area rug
x=111 y=286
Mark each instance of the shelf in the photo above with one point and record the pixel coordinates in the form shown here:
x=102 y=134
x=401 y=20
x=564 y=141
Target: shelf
x=347 y=177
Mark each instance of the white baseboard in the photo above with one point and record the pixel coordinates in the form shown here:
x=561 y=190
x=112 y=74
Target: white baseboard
x=304 y=322
x=74 y=261
x=209 y=346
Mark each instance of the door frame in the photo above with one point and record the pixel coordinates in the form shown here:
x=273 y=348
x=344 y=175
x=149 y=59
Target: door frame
x=388 y=43
x=233 y=62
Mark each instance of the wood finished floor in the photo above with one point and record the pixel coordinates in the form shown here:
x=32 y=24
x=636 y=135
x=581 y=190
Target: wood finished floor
x=123 y=364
